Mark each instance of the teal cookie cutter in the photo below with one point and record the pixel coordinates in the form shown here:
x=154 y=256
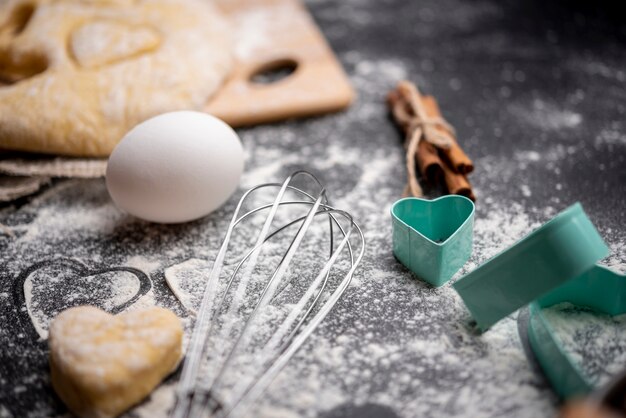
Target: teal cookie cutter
x=600 y=290
x=560 y=250
x=433 y=238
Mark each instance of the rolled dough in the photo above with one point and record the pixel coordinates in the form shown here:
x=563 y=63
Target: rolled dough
x=76 y=75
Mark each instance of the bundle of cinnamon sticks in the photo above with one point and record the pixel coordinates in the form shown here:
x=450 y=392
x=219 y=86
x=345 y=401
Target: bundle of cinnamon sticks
x=430 y=143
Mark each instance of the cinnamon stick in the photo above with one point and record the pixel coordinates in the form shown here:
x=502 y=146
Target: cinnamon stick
x=399 y=109
x=428 y=162
x=433 y=168
x=455 y=154
x=431 y=138
x=456 y=163
x=457 y=183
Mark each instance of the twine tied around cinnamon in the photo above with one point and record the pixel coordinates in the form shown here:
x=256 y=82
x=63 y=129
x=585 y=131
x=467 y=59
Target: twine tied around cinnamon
x=419 y=117
x=419 y=126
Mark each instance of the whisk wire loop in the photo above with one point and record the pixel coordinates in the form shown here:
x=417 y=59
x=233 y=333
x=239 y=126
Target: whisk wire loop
x=202 y=381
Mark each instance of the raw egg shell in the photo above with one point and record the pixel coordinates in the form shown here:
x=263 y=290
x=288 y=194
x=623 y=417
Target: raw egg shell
x=175 y=167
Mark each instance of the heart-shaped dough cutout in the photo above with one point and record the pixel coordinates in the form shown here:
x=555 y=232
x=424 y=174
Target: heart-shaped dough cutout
x=102 y=364
x=187 y=281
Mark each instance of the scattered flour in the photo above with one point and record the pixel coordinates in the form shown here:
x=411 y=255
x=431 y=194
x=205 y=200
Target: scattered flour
x=596 y=343
x=611 y=137
x=252 y=29
x=146 y=265
x=547 y=116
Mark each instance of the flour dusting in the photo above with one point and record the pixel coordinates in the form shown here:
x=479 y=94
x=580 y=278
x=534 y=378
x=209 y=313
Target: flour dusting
x=51 y=289
x=392 y=342
x=547 y=115
x=596 y=343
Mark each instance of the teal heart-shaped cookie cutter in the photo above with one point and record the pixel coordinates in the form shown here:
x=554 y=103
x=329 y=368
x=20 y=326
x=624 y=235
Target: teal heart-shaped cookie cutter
x=560 y=250
x=433 y=238
x=600 y=290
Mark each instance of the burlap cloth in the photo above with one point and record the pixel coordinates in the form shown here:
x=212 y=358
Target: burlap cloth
x=24 y=174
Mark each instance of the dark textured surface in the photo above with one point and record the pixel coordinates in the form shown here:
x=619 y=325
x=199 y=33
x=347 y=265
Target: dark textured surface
x=537 y=93
x=484 y=59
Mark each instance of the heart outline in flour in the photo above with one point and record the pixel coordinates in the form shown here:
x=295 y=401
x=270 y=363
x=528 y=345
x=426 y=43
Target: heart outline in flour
x=433 y=238
x=81 y=270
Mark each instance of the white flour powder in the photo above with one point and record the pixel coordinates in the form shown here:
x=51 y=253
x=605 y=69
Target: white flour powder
x=595 y=343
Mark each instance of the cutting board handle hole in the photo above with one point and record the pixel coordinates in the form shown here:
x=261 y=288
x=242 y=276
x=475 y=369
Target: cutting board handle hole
x=274 y=71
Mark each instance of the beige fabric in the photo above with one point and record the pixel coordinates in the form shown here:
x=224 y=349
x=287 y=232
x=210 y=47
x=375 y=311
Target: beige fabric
x=54 y=167
x=78 y=74
x=14 y=187
x=102 y=364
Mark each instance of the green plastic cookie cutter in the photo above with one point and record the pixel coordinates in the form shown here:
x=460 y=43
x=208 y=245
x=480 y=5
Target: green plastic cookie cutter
x=433 y=238
x=560 y=250
x=600 y=290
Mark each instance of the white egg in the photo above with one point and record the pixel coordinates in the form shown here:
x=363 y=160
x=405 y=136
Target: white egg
x=175 y=167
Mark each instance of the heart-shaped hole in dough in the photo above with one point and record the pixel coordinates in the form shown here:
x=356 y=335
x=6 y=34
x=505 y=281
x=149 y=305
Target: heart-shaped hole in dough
x=18 y=19
x=104 y=42
x=15 y=67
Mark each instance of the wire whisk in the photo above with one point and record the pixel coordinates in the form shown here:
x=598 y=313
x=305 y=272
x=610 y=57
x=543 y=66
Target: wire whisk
x=262 y=303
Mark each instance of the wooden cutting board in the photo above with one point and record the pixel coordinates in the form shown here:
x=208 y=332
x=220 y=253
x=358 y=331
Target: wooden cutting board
x=278 y=35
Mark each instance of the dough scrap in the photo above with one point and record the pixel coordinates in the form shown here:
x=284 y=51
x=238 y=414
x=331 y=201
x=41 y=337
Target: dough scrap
x=76 y=75
x=102 y=364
